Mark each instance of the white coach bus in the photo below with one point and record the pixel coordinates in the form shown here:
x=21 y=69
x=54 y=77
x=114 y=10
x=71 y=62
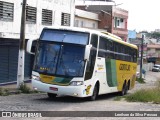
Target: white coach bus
x=82 y=63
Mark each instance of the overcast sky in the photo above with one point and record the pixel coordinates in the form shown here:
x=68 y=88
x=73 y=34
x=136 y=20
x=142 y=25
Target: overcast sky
x=143 y=14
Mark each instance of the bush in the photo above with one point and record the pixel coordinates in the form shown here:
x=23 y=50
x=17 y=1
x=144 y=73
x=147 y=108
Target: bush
x=24 y=89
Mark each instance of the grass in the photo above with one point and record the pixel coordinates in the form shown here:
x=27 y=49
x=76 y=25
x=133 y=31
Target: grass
x=4 y=92
x=25 y=89
x=140 y=80
x=144 y=95
x=22 y=89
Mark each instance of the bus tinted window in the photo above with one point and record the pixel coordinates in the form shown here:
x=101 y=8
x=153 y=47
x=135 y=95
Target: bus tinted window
x=65 y=36
x=92 y=58
x=94 y=40
x=115 y=50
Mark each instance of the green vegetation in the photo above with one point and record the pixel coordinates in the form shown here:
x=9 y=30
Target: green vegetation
x=144 y=95
x=25 y=89
x=140 y=80
x=149 y=95
x=155 y=35
x=4 y=92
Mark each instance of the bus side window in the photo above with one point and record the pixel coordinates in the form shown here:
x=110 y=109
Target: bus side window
x=123 y=51
x=111 y=44
x=135 y=56
x=117 y=56
x=94 y=40
x=102 y=47
x=92 y=58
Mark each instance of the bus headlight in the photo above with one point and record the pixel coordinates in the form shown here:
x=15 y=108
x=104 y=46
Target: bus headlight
x=35 y=78
x=76 y=83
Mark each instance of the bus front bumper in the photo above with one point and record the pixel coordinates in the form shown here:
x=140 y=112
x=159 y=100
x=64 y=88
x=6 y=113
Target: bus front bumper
x=76 y=91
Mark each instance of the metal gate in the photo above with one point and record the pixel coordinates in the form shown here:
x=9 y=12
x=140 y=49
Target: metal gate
x=9 y=63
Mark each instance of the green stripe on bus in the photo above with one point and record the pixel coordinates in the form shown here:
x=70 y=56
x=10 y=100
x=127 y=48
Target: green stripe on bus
x=111 y=72
x=60 y=80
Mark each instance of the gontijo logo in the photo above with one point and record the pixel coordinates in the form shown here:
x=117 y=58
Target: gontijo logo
x=124 y=67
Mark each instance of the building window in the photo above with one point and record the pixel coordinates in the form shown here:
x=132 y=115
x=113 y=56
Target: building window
x=31 y=13
x=6 y=11
x=65 y=19
x=46 y=17
x=76 y=23
x=118 y=21
x=93 y=25
x=82 y=24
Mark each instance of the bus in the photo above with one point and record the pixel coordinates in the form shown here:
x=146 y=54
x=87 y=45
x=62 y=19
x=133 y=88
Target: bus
x=80 y=62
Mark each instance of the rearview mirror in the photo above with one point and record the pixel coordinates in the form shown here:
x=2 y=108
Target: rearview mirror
x=87 y=52
x=29 y=46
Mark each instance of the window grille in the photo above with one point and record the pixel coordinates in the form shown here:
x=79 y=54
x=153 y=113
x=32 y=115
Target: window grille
x=46 y=16
x=31 y=13
x=6 y=11
x=65 y=19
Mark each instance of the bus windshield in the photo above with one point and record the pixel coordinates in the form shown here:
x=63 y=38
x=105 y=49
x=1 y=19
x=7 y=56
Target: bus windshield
x=60 y=59
x=72 y=37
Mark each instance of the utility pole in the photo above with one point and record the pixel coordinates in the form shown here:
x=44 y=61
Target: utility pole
x=21 y=56
x=141 y=62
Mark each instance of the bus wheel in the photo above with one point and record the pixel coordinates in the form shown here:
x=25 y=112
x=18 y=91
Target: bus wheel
x=51 y=95
x=124 y=89
x=95 y=93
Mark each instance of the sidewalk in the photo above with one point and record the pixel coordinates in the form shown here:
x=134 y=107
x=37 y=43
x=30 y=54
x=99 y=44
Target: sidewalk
x=150 y=81
x=12 y=88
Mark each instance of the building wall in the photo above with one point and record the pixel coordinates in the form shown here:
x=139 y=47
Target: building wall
x=122 y=17
x=85 y=19
x=108 y=17
x=10 y=33
x=85 y=23
x=11 y=29
x=105 y=21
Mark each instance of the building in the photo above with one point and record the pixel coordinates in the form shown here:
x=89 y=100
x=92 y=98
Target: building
x=86 y=19
x=153 y=50
x=111 y=18
x=39 y=13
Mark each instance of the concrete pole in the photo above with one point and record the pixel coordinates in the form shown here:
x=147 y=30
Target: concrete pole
x=141 y=62
x=21 y=57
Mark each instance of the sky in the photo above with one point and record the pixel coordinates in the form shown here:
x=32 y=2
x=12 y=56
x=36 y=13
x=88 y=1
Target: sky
x=143 y=14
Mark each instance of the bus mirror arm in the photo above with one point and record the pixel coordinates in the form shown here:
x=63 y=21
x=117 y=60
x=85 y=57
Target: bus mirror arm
x=29 y=46
x=87 y=52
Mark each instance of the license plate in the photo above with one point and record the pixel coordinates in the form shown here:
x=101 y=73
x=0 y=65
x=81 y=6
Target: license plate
x=53 y=88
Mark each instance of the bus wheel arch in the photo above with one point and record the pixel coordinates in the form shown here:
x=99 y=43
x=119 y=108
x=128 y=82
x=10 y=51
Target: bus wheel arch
x=95 y=91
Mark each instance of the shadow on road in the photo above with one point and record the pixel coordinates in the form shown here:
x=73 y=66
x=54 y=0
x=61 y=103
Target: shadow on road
x=68 y=99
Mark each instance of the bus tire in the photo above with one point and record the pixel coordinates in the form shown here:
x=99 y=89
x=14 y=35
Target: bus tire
x=124 y=89
x=95 y=93
x=51 y=95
